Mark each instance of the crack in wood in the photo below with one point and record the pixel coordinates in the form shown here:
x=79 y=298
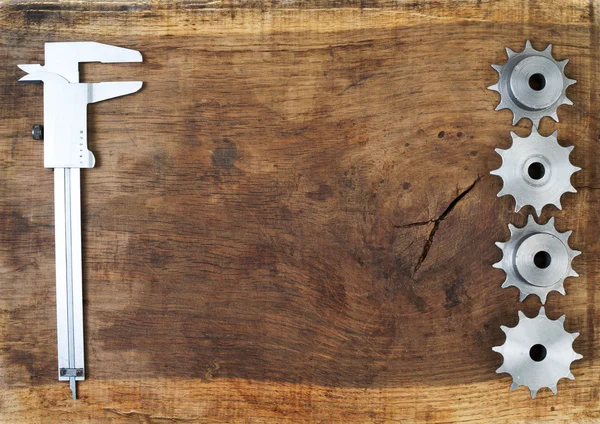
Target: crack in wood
x=437 y=222
x=415 y=224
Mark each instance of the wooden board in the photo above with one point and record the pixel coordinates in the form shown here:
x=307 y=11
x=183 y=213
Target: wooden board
x=294 y=220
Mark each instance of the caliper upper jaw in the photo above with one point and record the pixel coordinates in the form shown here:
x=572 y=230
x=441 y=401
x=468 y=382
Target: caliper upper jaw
x=64 y=58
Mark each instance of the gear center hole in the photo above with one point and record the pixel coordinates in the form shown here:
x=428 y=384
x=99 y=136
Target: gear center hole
x=537 y=352
x=537 y=82
x=542 y=259
x=536 y=171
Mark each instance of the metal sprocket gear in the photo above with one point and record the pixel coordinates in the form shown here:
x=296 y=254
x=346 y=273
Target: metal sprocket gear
x=538 y=352
x=536 y=171
x=532 y=84
x=537 y=259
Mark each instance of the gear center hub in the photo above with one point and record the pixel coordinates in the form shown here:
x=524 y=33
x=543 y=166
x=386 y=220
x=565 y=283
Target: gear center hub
x=537 y=170
x=542 y=259
x=536 y=82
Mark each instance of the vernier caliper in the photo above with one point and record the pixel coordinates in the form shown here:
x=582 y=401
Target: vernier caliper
x=65 y=149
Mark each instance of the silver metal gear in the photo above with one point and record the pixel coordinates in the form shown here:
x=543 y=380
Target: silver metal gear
x=537 y=259
x=536 y=171
x=538 y=352
x=532 y=84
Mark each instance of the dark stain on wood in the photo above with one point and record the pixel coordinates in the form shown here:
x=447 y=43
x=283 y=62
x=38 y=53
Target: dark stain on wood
x=454 y=294
x=322 y=193
x=225 y=155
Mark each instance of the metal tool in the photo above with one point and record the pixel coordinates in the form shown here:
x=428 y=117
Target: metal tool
x=532 y=84
x=537 y=259
x=536 y=171
x=538 y=352
x=65 y=150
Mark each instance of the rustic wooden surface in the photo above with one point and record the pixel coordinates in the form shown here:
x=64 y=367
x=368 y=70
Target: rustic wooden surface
x=294 y=220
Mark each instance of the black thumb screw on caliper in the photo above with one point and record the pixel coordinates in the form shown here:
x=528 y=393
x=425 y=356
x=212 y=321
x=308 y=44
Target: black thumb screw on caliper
x=37 y=132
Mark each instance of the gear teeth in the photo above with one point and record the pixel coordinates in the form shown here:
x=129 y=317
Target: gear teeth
x=517 y=103
x=517 y=207
x=516 y=118
x=520 y=182
x=516 y=352
x=578 y=356
x=517 y=181
x=509 y=253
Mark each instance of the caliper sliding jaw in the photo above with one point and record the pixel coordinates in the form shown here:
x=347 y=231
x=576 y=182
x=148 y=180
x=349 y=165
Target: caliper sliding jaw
x=65 y=150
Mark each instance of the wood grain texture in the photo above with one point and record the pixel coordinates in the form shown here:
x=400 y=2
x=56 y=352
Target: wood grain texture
x=294 y=220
